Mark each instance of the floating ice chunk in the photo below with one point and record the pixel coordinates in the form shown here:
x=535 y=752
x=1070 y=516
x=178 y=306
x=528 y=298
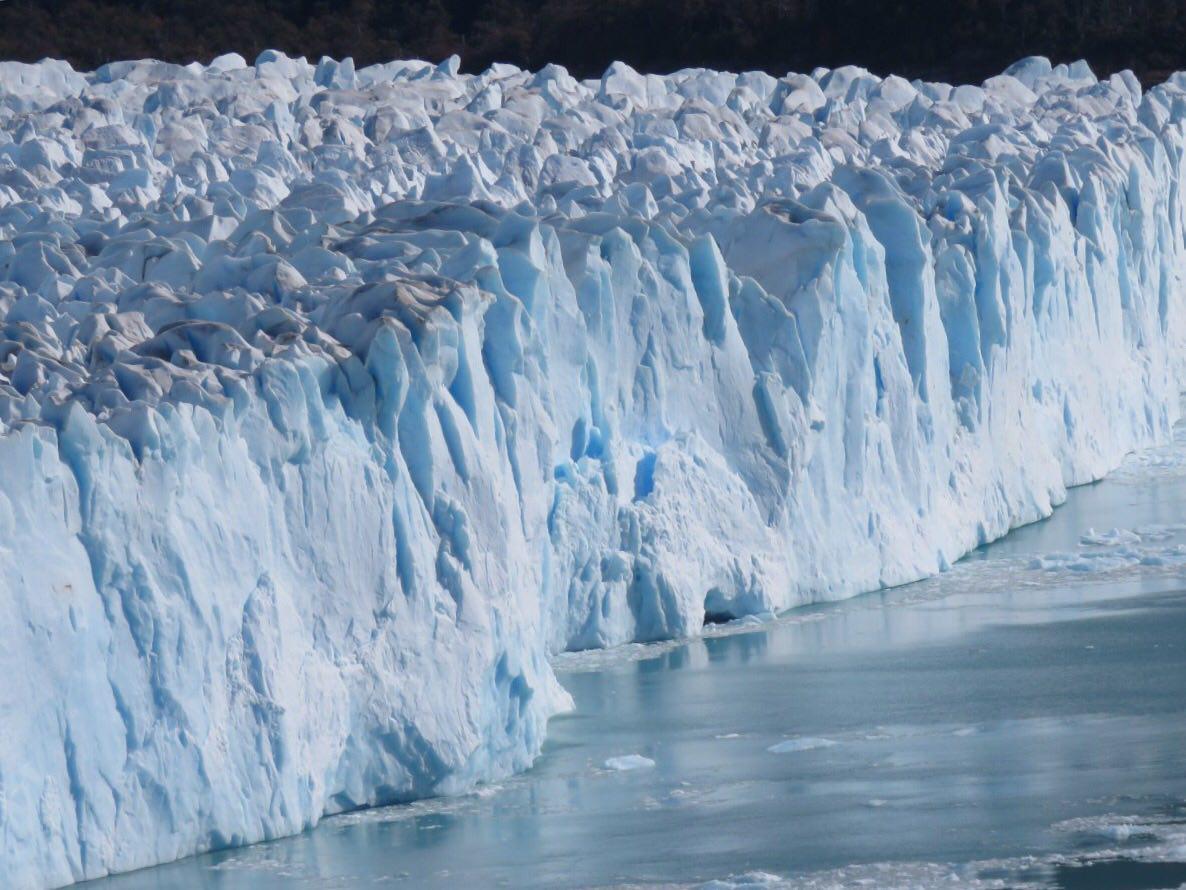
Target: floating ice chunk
x=1111 y=538
x=791 y=746
x=629 y=762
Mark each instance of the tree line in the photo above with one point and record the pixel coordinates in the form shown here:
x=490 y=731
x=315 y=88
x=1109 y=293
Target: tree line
x=952 y=40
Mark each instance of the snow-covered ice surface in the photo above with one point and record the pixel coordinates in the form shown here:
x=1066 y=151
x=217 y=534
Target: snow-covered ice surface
x=333 y=401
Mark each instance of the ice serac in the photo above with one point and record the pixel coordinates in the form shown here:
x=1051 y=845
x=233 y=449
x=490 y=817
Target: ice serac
x=333 y=401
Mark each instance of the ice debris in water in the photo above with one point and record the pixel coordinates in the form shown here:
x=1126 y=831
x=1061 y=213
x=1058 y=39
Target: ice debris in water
x=751 y=879
x=1097 y=840
x=334 y=400
x=1117 y=549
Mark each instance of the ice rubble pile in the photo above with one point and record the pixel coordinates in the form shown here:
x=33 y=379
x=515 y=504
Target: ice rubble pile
x=334 y=400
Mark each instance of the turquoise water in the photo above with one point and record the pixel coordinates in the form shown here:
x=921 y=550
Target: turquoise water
x=1019 y=722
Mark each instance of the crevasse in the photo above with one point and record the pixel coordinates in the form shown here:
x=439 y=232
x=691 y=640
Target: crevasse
x=334 y=401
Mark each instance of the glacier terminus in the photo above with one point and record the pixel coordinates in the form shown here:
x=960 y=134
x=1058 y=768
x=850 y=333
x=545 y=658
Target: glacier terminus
x=334 y=402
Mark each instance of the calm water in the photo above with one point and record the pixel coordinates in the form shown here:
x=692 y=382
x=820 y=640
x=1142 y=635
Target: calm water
x=1020 y=722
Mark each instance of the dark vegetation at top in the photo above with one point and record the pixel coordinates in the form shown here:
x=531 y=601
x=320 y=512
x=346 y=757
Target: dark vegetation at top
x=951 y=40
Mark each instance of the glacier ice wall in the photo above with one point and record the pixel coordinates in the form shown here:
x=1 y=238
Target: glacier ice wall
x=333 y=401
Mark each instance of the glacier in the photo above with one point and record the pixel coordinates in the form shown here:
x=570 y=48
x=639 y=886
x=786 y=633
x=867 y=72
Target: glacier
x=334 y=401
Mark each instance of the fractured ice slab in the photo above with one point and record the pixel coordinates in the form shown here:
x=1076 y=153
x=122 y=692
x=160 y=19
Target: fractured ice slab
x=333 y=401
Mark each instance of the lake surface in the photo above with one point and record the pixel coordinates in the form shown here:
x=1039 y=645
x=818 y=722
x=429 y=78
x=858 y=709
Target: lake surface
x=1019 y=722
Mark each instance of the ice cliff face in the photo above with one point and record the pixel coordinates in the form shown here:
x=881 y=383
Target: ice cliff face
x=333 y=401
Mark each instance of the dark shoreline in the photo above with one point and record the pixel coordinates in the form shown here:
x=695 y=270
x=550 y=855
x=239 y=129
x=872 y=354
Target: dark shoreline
x=939 y=40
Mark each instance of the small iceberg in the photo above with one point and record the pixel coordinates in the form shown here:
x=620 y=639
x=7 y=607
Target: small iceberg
x=629 y=762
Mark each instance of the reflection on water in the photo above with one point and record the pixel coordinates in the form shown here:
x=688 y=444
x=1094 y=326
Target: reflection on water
x=1019 y=722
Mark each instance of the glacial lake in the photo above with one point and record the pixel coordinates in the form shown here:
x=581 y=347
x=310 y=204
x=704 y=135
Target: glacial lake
x=1018 y=722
